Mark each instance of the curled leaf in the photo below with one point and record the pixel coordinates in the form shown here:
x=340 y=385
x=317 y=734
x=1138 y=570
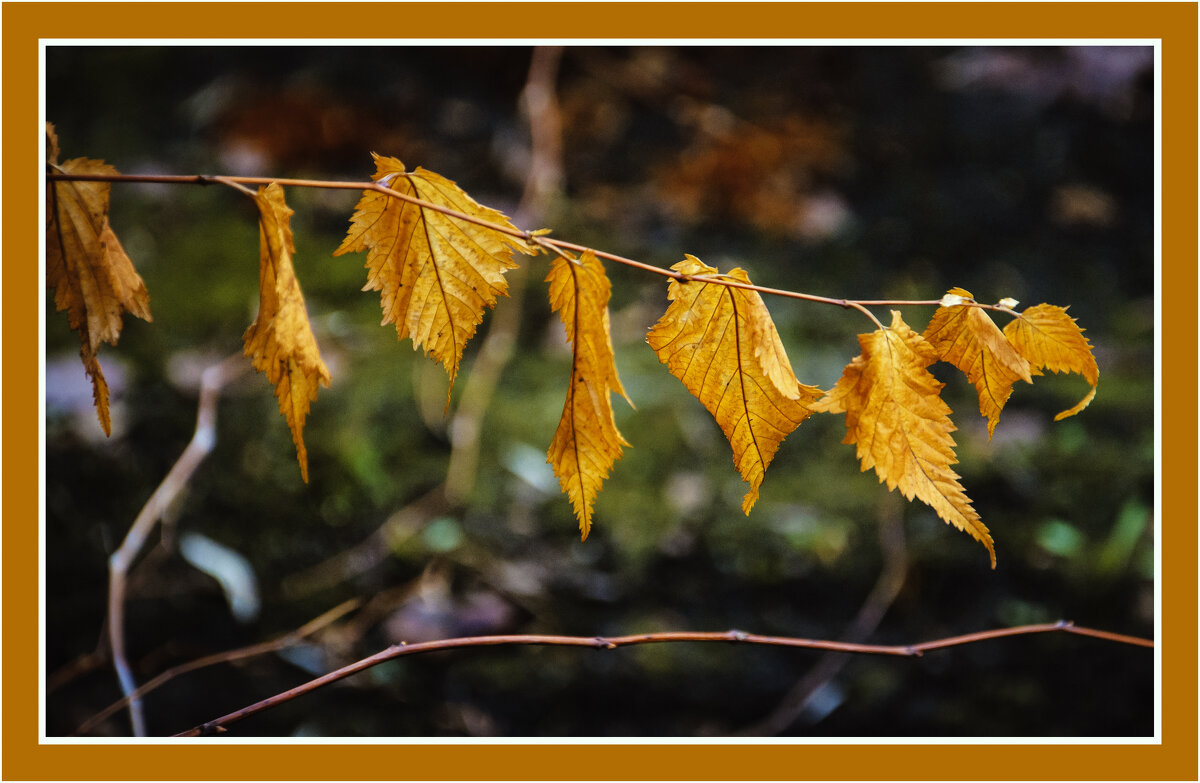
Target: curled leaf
x=721 y=342
x=587 y=442
x=1051 y=340
x=436 y=274
x=280 y=342
x=900 y=424
x=92 y=277
x=967 y=338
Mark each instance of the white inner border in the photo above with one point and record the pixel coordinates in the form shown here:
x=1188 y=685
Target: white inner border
x=715 y=42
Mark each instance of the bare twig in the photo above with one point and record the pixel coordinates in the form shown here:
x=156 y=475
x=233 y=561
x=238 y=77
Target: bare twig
x=218 y=725
x=282 y=642
x=1062 y=625
x=121 y=560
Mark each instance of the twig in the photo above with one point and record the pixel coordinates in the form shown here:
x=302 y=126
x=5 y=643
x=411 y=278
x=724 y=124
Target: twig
x=119 y=563
x=218 y=725
x=1062 y=625
x=525 y=236
x=282 y=642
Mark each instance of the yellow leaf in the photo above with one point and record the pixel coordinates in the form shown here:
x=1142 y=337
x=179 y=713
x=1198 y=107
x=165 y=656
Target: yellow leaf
x=586 y=443
x=720 y=341
x=967 y=338
x=436 y=274
x=1051 y=340
x=901 y=425
x=92 y=277
x=280 y=342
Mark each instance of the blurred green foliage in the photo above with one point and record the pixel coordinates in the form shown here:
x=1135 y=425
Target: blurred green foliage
x=1010 y=172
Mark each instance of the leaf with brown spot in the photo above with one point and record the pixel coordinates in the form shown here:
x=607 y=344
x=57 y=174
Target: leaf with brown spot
x=900 y=424
x=967 y=338
x=1051 y=340
x=92 y=277
x=587 y=442
x=436 y=274
x=280 y=342
x=720 y=341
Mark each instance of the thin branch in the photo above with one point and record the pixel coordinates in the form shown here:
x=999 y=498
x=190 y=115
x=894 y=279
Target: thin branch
x=400 y=525
x=218 y=726
x=119 y=563
x=80 y=665
x=1062 y=625
x=525 y=236
x=288 y=639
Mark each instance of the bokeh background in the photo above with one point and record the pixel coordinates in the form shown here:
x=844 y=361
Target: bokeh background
x=870 y=173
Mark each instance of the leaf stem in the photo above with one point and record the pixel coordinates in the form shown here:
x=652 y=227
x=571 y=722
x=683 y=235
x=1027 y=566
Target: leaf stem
x=235 y=185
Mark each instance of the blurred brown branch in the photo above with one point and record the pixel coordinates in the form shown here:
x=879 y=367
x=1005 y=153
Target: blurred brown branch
x=204 y=438
x=542 y=182
x=874 y=607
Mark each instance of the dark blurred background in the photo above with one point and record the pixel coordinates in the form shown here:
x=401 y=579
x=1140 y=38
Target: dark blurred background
x=892 y=172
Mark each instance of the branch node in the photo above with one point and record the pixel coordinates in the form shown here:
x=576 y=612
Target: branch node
x=600 y=643
x=738 y=636
x=534 y=240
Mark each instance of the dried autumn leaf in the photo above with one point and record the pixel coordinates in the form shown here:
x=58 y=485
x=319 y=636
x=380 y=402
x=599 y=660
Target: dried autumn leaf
x=1051 y=340
x=720 y=341
x=436 y=274
x=967 y=338
x=280 y=342
x=901 y=425
x=92 y=277
x=587 y=442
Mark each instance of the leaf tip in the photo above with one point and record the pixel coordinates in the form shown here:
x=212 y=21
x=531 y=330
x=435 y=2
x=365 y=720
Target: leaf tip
x=1086 y=401
x=750 y=499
